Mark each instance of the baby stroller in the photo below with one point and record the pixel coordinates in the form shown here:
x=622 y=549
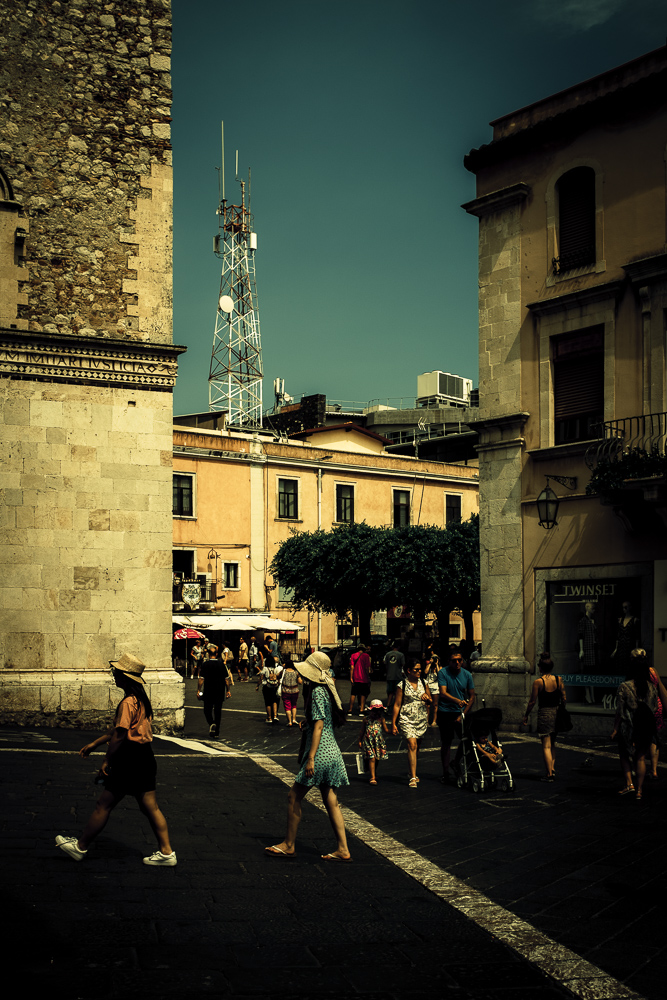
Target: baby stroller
x=475 y=769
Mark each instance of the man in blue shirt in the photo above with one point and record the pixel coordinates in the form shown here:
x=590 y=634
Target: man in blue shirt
x=457 y=695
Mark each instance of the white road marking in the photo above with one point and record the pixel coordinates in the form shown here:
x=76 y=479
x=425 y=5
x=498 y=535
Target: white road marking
x=582 y=978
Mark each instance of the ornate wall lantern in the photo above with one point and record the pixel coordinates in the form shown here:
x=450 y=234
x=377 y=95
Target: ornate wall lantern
x=548 y=502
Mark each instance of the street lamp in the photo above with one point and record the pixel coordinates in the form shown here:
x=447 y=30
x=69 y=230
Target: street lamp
x=548 y=502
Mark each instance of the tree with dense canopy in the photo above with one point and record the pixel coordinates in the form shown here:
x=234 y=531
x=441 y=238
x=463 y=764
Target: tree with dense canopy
x=364 y=569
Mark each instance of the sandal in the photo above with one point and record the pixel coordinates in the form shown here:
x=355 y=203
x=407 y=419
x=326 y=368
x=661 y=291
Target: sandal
x=412 y=783
x=627 y=790
x=372 y=782
x=638 y=796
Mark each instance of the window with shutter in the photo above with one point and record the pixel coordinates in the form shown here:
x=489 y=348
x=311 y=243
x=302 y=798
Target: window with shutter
x=578 y=383
x=576 y=220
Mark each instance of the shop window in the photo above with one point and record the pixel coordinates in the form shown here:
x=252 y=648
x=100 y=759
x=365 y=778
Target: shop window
x=576 y=220
x=345 y=503
x=183 y=495
x=401 y=508
x=578 y=384
x=452 y=508
x=230 y=575
x=288 y=498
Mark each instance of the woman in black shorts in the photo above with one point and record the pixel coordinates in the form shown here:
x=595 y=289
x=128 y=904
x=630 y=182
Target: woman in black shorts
x=129 y=767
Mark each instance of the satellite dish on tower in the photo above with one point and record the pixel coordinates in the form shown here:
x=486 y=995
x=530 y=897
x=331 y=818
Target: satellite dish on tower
x=226 y=303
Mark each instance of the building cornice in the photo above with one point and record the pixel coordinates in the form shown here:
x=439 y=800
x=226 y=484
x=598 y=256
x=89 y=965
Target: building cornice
x=648 y=269
x=211 y=454
x=88 y=360
x=583 y=296
x=497 y=201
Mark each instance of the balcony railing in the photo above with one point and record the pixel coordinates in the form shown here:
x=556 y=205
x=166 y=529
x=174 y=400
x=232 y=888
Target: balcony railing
x=641 y=435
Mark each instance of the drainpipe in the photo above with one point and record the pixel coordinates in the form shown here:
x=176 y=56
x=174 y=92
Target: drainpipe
x=319 y=525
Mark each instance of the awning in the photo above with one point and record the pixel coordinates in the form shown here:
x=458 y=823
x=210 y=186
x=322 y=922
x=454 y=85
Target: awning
x=242 y=623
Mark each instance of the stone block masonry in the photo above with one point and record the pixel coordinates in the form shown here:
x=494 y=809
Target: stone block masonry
x=87 y=364
x=85 y=107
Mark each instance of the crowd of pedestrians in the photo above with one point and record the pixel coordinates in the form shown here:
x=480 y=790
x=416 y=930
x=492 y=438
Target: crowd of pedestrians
x=419 y=693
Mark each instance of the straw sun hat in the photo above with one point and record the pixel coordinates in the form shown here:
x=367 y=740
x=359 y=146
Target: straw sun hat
x=129 y=665
x=316 y=668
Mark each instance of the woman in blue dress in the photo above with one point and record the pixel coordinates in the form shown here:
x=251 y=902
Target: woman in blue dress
x=321 y=760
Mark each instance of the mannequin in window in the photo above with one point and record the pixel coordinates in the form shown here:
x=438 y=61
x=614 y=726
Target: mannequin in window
x=588 y=647
x=627 y=638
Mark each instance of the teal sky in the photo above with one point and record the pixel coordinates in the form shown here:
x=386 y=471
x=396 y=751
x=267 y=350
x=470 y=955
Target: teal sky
x=354 y=116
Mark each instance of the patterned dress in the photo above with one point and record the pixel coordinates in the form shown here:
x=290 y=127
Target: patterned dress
x=372 y=742
x=329 y=767
x=413 y=716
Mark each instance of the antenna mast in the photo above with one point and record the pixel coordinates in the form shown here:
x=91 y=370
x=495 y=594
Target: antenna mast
x=235 y=377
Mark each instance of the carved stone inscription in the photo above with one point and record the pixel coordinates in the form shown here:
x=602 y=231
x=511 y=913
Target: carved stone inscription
x=84 y=363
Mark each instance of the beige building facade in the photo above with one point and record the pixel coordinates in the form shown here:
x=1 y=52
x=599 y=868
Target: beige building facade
x=571 y=199
x=238 y=496
x=87 y=364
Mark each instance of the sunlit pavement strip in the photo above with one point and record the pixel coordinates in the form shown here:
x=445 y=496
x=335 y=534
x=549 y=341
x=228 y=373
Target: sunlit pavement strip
x=566 y=967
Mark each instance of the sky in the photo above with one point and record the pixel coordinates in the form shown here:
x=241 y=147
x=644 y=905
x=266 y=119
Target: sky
x=354 y=117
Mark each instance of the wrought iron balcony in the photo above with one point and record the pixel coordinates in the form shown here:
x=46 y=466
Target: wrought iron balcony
x=642 y=437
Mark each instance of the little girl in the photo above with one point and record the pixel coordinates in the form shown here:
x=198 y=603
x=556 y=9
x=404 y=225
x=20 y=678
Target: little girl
x=371 y=739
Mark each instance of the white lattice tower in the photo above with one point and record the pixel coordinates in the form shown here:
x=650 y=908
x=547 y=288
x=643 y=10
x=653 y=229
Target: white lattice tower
x=235 y=377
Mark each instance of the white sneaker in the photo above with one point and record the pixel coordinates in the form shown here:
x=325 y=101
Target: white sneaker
x=161 y=859
x=70 y=846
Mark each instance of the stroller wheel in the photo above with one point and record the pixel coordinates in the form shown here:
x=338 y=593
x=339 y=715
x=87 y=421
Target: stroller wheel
x=476 y=786
x=506 y=785
x=460 y=781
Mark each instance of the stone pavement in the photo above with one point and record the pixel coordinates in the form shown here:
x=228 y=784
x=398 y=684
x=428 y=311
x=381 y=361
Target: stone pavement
x=468 y=896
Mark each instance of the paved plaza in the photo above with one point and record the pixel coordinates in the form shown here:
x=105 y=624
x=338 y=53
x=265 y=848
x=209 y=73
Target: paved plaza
x=548 y=891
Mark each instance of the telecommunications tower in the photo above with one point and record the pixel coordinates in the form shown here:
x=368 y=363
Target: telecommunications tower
x=235 y=377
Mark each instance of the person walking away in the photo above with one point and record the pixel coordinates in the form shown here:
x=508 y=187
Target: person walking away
x=321 y=760
x=243 y=661
x=228 y=661
x=360 y=678
x=548 y=692
x=410 y=714
x=269 y=678
x=253 y=656
x=289 y=685
x=634 y=725
x=371 y=738
x=215 y=678
x=394 y=663
x=129 y=767
x=456 y=698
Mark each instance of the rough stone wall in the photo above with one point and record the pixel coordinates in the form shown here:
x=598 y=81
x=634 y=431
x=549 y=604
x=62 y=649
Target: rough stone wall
x=86 y=361
x=84 y=111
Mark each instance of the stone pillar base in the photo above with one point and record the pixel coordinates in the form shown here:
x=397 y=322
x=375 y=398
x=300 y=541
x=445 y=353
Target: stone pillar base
x=85 y=699
x=504 y=683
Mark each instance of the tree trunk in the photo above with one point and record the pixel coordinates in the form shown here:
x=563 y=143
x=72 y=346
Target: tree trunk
x=468 y=644
x=442 y=614
x=365 y=625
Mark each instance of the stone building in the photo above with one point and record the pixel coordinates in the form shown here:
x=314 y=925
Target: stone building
x=573 y=292
x=87 y=364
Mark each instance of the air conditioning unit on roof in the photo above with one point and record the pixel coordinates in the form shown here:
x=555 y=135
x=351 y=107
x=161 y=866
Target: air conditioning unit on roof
x=442 y=385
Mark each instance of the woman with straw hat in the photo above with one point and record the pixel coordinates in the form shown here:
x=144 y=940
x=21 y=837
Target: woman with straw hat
x=321 y=760
x=129 y=767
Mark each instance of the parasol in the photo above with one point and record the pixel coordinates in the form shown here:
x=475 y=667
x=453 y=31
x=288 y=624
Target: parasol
x=188 y=633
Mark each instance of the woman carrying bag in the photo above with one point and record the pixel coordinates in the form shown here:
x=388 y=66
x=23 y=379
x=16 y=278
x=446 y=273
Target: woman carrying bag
x=549 y=693
x=129 y=767
x=320 y=758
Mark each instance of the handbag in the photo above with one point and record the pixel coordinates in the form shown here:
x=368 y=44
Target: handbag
x=361 y=763
x=563 y=718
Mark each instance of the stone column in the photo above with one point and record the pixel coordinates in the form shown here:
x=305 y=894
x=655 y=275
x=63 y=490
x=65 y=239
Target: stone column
x=87 y=364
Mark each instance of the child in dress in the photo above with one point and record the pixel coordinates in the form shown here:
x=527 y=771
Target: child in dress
x=371 y=739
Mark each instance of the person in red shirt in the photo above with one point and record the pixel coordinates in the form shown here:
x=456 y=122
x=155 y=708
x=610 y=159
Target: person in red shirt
x=360 y=678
